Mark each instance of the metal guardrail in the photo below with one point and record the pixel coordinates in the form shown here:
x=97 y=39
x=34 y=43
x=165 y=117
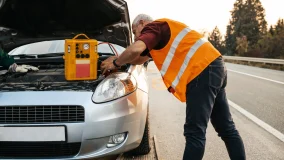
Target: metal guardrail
x=259 y=60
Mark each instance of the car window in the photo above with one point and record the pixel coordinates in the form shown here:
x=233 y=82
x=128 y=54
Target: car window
x=57 y=46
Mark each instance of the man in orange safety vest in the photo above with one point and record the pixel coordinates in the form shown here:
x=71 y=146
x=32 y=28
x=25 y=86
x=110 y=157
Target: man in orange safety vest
x=193 y=71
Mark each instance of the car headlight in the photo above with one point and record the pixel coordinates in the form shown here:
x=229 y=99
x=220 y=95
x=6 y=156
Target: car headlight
x=114 y=86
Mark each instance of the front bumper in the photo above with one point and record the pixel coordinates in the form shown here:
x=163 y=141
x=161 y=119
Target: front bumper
x=125 y=115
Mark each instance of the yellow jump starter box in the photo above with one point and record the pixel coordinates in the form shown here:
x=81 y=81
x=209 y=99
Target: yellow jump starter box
x=81 y=58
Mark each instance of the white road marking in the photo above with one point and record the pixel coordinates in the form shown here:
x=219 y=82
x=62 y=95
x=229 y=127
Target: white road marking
x=157 y=147
x=259 y=122
x=256 y=76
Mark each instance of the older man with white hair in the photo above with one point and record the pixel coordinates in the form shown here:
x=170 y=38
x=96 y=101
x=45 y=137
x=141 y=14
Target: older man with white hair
x=194 y=72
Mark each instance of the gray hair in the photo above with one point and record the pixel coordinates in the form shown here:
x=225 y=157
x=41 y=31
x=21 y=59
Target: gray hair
x=144 y=17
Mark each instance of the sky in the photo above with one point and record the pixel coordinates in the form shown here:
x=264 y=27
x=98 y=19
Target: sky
x=201 y=15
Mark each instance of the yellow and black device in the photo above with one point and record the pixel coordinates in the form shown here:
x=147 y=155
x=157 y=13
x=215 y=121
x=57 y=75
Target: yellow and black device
x=81 y=58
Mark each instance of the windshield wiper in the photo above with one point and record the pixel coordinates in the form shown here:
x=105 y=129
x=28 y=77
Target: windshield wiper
x=38 y=55
x=24 y=56
x=59 y=54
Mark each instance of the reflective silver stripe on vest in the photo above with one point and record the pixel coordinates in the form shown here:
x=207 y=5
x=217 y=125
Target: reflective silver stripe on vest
x=172 y=51
x=190 y=53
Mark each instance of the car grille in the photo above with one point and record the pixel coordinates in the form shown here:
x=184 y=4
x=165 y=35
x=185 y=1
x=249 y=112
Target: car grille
x=38 y=150
x=41 y=114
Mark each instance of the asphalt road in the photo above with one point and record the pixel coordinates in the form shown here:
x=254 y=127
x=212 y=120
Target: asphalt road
x=262 y=98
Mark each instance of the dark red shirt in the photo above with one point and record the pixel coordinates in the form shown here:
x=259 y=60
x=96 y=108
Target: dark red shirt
x=155 y=35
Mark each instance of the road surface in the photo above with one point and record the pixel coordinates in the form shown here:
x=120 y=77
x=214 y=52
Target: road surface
x=258 y=91
x=263 y=96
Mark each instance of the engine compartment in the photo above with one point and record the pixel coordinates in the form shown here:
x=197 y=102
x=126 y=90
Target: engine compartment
x=50 y=77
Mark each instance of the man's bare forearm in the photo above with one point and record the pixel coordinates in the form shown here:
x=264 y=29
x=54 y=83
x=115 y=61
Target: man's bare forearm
x=140 y=60
x=126 y=57
x=131 y=53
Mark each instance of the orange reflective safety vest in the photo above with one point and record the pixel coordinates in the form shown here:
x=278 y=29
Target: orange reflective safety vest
x=184 y=57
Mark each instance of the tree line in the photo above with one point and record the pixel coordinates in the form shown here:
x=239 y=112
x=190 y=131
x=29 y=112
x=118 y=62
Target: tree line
x=248 y=34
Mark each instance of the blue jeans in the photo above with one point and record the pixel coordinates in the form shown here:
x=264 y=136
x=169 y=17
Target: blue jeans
x=206 y=98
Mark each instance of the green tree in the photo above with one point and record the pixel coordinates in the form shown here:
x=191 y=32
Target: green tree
x=279 y=27
x=271 y=44
x=230 y=40
x=238 y=15
x=247 y=21
x=215 y=38
x=255 y=24
x=234 y=27
x=250 y=27
x=260 y=17
x=271 y=30
x=242 y=46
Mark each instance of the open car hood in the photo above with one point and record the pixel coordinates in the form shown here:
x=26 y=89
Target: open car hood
x=29 y=21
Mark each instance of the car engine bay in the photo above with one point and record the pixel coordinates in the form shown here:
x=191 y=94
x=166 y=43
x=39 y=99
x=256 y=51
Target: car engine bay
x=50 y=77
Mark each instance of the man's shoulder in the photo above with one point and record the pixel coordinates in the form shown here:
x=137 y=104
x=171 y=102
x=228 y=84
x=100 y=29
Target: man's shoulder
x=167 y=21
x=156 y=24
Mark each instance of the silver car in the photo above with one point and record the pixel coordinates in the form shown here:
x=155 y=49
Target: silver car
x=44 y=116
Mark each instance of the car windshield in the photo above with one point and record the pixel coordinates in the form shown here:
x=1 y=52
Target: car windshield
x=57 y=46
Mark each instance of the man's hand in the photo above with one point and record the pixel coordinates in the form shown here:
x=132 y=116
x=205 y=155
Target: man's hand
x=108 y=60
x=22 y=68
x=131 y=53
x=107 y=65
